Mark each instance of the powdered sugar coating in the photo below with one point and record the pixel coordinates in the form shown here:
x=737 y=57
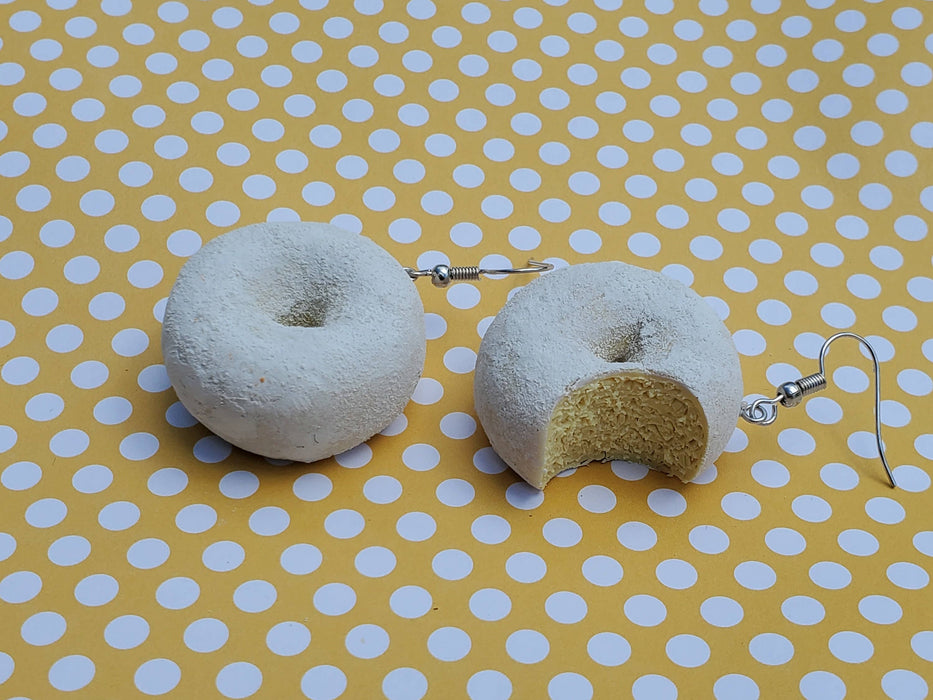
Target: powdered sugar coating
x=300 y=392
x=563 y=330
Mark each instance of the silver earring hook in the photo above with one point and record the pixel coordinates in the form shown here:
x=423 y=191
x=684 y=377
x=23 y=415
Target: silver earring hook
x=790 y=394
x=443 y=275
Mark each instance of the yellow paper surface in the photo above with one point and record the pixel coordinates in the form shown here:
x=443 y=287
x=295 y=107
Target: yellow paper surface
x=775 y=157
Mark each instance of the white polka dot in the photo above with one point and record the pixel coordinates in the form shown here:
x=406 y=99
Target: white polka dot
x=667 y=502
x=771 y=649
x=93 y=478
x=875 y=196
x=851 y=647
x=375 y=562
x=64 y=338
x=645 y=244
x=428 y=391
x=44 y=407
x=148 y=553
x=452 y=564
x=212 y=449
x=525 y=567
x=858 y=542
x=636 y=536
x=405 y=683
x=527 y=646
x=911 y=478
x=223 y=556
x=735 y=685
x=8 y=438
x=490 y=604
x=112 y=410
x=653 y=686
x=269 y=521
x=139 y=446
x=334 y=599
x=119 y=515
x=455 y=493
x=71 y=673
x=490 y=529
x=96 y=590
x=178 y=593
x=367 y=641
x=40 y=301
x=46 y=512
x=645 y=610
x=608 y=649
x=562 y=532
x=239 y=680
x=410 y=602
x=602 y=570
x=880 y=609
x=288 y=638
x=570 y=686
x=582 y=241
x=19 y=370
x=157 y=676
x=20 y=587
x=884 y=510
x=255 y=596
x=449 y=644
x=721 y=611
x=676 y=573
x=908 y=575
x=803 y=610
x=344 y=523
x=755 y=575
x=687 y=650
x=43 y=628
x=416 y=526
x=458 y=426
x=899 y=318
x=16 y=265
x=565 y=607
x=323 y=683
x=196 y=518
x=902 y=683
x=69 y=442
x=785 y=541
x=741 y=506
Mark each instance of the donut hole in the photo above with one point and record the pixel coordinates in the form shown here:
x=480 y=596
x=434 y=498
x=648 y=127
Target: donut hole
x=305 y=313
x=622 y=345
x=630 y=416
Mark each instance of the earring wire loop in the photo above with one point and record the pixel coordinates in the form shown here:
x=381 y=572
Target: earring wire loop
x=763 y=411
x=443 y=275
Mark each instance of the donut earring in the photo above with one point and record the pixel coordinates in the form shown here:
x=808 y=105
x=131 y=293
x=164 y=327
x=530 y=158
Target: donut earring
x=278 y=340
x=606 y=361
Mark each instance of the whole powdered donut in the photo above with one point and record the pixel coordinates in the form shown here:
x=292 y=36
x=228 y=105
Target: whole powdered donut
x=606 y=361
x=294 y=340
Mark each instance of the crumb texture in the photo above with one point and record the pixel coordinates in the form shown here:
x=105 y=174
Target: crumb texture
x=603 y=361
x=634 y=417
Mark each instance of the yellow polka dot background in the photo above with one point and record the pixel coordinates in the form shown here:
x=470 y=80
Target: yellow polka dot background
x=775 y=157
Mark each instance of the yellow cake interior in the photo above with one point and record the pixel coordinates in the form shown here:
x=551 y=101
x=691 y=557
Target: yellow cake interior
x=631 y=416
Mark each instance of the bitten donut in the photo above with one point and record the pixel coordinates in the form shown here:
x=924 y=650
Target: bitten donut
x=605 y=361
x=294 y=340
